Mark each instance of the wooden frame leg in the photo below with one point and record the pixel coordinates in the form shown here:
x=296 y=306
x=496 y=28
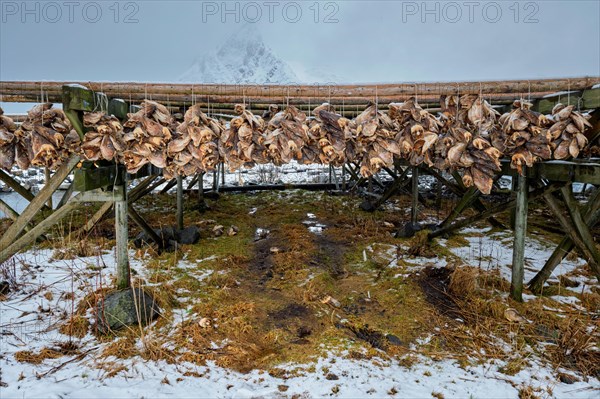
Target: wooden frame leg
x=518 y=267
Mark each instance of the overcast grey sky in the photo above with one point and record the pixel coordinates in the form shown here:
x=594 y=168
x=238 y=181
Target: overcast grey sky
x=372 y=41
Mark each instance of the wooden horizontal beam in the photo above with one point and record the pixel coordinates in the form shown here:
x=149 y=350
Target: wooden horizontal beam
x=581 y=171
x=521 y=87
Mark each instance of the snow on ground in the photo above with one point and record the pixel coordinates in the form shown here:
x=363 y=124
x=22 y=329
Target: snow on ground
x=493 y=250
x=29 y=319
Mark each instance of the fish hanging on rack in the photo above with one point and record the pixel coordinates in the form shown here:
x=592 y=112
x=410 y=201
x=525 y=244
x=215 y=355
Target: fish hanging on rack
x=568 y=131
x=40 y=138
x=7 y=141
x=194 y=145
x=104 y=138
x=147 y=134
x=242 y=143
x=417 y=132
x=286 y=134
x=527 y=136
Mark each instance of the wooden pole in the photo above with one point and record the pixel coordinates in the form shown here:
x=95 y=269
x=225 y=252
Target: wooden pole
x=414 y=215
x=582 y=229
x=144 y=226
x=8 y=211
x=516 y=285
x=591 y=218
x=469 y=196
x=180 y=202
x=47 y=179
x=122 y=236
x=215 y=187
x=36 y=231
x=505 y=206
x=12 y=183
x=222 y=173
x=141 y=90
x=201 y=203
x=66 y=195
x=512 y=214
x=38 y=202
x=570 y=228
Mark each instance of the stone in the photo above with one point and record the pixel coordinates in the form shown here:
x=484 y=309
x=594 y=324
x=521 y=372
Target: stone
x=188 y=236
x=367 y=206
x=332 y=377
x=567 y=378
x=408 y=230
x=393 y=340
x=127 y=307
x=170 y=237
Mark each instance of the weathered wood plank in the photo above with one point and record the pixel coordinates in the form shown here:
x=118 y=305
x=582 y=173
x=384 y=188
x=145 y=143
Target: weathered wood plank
x=582 y=229
x=18 y=188
x=505 y=206
x=38 y=202
x=518 y=266
x=66 y=196
x=144 y=226
x=122 y=237
x=132 y=196
x=179 y=202
x=591 y=217
x=568 y=226
x=8 y=211
x=582 y=171
x=39 y=229
x=90 y=177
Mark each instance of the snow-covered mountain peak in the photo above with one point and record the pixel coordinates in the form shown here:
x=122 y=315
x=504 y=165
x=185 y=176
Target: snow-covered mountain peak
x=242 y=59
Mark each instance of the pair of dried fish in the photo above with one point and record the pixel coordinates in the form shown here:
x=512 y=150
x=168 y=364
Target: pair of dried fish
x=242 y=144
x=567 y=131
x=467 y=124
x=45 y=138
x=146 y=136
x=194 y=145
x=527 y=137
x=104 y=138
x=7 y=141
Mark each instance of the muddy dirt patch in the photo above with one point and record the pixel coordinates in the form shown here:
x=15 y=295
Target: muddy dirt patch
x=434 y=283
x=329 y=255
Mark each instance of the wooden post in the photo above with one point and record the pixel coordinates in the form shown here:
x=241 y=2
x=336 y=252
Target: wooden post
x=582 y=229
x=469 y=196
x=38 y=202
x=144 y=226
x=571 y=229
x=12 y=183
x=215 y=187
x=222 y=173
x=516 y=285
x=122 y=235
x=47 y=179
x=201 y=203
x=8 y=211
x=513 y=214
x=180 y=202
x=591 y=218
x=36 y=231
x=415 y=196
x=66 y=195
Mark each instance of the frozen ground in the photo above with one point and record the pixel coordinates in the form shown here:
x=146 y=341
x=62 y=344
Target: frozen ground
x=30 y=316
